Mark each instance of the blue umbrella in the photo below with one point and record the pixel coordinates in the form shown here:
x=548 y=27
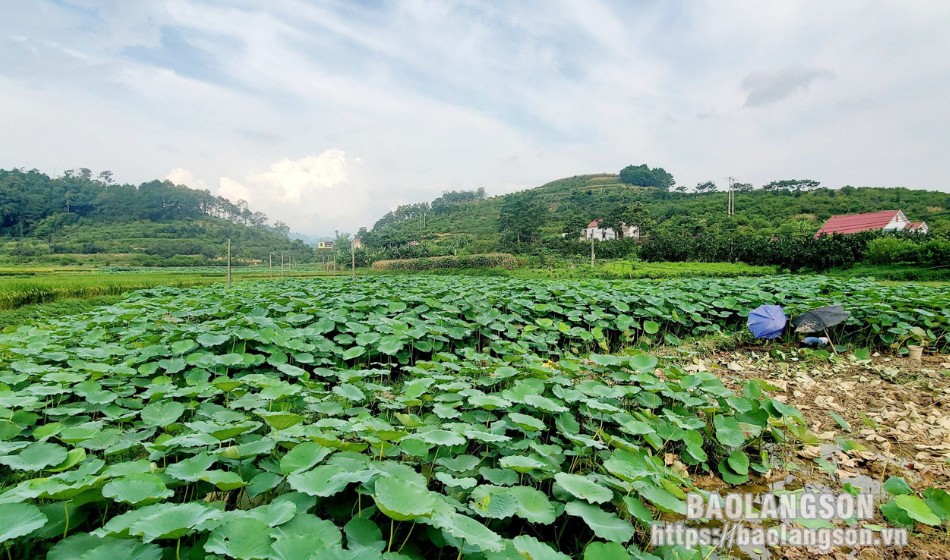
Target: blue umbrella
x=767 y=321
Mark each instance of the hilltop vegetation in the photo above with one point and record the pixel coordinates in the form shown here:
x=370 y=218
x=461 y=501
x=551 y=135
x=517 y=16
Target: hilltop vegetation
x=534 y=220
x=66 y=219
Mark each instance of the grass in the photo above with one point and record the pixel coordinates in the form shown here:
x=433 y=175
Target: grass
x=30 y=314
x=29 y=286
x=625 y=269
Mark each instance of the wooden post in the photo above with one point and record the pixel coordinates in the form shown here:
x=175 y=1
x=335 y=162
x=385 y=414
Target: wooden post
x=229 y=263
x=270 y=263
x=592 y=251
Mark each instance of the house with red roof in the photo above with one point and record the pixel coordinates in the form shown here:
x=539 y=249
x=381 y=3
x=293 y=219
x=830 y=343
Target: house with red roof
x=887 y=220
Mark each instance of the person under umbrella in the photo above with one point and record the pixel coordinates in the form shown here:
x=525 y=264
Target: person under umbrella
x=821 y=319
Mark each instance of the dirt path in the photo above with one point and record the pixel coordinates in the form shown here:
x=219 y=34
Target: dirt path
x=894 y=421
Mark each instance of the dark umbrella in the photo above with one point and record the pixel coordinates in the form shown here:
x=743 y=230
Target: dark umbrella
x=767 y=321
x=821 y=319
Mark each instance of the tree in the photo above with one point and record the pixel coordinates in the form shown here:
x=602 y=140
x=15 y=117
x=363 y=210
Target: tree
x=796 y=185
x=707 y=187
x=627 y=214
x=742 y=187
x=642 y=175
x=521 y=218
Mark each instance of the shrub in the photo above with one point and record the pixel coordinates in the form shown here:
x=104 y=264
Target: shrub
x=488 y=260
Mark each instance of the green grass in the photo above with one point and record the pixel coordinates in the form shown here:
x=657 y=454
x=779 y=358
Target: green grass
x=37 y=285
x=933 y=276
x=625 y=269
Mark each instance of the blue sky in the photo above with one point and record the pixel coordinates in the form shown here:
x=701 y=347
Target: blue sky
x=327 y=114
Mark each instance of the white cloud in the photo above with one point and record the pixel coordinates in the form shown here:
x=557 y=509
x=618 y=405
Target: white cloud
x=181 y=176
x=291 y=179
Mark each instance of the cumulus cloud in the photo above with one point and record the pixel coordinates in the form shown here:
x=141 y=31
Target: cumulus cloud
x=766 y=88
x=314 y=194
x=181 y=176
x=289 y=179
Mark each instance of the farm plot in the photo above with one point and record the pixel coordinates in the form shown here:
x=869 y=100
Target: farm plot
x=392 y=418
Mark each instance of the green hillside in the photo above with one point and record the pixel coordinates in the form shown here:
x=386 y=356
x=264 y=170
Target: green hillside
x=566 y=205
x=79 y=219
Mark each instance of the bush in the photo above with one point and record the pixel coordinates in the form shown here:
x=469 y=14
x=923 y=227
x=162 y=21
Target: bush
x=890 y=250
x=488 y=260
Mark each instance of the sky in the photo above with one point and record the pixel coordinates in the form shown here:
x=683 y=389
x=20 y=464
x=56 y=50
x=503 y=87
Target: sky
x=326 y=115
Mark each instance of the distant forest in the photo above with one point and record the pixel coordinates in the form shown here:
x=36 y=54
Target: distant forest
x=81 y=218
x=33 y=204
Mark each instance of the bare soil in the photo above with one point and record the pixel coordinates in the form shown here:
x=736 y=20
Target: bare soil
x=898 y=424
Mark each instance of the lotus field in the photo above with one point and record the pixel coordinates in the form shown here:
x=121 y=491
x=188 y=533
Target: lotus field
x=394 y=417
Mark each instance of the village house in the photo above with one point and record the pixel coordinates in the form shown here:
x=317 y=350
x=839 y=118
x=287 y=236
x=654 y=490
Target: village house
x=887 y=220
x=594 y=231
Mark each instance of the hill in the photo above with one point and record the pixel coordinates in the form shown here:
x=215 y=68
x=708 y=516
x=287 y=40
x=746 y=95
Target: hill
x=78 y=218
x=480 y=224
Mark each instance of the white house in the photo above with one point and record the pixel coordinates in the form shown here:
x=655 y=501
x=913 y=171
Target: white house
x=594 y=231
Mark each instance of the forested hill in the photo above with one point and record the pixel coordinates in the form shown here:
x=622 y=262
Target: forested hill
x=471 y=222
x=153 y=223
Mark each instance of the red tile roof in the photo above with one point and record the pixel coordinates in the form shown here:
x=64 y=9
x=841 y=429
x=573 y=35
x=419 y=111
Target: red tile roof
x=853 y=223
x=594 y=224
x=915 y=225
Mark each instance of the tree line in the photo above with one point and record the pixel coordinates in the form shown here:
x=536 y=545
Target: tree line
x=33 y=203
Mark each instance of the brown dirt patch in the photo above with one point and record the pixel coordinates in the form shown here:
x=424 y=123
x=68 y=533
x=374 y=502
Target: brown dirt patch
x=897 y=411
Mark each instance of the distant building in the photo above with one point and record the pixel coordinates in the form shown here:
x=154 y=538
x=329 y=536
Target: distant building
x=594 y=231
x=357 y=243
x=887 y=220
x=324 y=244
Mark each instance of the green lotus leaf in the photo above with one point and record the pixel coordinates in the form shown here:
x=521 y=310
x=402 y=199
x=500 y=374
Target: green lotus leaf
x=303 y=457
x=161 y=414
x=190 y=469
x=525 y=422
x=280 y=420
x=137 y=489
x=917 y=509
x=533 y=505
x=521 y=463
x=349 y=392
x=83 y=546
x=245 y=539
x=363 y=533
x=530 y=547
x=604 y=524
x=402 y=500
x=17 y=520
x=173 y=521
x=36 y=456
x=209 y=340
x=441 y=437
x=493 y=502
x=223 y=480
x=605 y=551
x=470 y=531
x=584 y=488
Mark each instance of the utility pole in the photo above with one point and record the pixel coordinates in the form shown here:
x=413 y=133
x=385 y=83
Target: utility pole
x=592 y=250
x=281 y=264
x=731 y=197
x=353 y=259
x=229 y=262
